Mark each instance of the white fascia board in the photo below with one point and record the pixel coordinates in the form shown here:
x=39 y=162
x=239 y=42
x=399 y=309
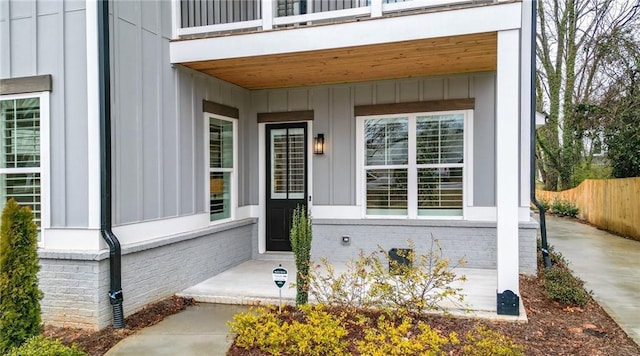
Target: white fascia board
x=393 y=29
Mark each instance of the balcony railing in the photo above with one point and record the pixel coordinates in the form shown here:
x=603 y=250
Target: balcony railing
x=193 y=17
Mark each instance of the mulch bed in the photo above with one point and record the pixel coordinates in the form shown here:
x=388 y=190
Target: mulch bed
x=552 y=329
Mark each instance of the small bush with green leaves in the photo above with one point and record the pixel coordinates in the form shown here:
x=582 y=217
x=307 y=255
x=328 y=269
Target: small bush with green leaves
x=314 y=332
x=559 y=282
x=562 y=286
x=564 y=207
x=556 y=257
x=301 y=235
x=367 y=283
x=44 y=346
x=19 y=292
x=544 y=203
x=485 y=342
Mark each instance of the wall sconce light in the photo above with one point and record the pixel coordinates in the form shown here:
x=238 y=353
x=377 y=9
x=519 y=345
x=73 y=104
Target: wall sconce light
x=318 y=144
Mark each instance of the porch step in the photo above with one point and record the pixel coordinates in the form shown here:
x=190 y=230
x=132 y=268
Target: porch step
x=251 y=283
x=275 y=256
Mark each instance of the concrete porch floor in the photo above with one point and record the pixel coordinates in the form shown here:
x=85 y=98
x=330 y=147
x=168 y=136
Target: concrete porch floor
x=251 y=283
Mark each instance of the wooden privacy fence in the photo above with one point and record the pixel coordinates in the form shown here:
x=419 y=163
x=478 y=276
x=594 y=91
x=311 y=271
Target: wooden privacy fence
x=610 y=204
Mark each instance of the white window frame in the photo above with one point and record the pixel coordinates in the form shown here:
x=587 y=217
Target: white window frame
x=208 y=170
x=412 y=175
x=44 y=169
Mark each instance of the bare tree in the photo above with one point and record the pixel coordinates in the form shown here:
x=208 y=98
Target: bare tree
x=573 y=41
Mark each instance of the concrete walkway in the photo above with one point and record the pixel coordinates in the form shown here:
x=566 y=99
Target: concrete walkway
x=609 y=265
x=199 y=330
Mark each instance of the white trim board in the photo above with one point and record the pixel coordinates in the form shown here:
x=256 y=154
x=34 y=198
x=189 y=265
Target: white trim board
x=70 y=239
x=354 y=212
x=93 y=116
x=144 y=231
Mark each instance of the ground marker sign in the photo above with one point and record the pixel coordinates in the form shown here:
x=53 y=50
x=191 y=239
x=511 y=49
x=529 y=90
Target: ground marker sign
x=280 y=275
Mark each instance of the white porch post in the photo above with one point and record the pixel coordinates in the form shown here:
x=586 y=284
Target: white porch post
x=507 y=170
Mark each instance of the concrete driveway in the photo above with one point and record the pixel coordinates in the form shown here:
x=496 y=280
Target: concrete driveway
x=609 y=265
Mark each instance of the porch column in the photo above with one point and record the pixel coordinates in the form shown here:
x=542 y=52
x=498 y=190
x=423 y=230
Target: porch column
x=507 y=170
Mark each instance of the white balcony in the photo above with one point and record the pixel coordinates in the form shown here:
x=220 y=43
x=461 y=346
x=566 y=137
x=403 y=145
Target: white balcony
x=263 y=44
x=214 y=17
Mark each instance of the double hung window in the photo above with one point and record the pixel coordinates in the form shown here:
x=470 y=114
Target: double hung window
x=21 y=119
x=414 y=164
x=222 y=166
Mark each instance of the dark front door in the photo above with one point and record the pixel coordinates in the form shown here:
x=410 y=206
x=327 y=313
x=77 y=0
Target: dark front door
x=286 y=180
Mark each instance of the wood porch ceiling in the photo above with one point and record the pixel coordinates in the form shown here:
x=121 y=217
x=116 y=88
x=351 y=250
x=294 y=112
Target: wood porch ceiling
x=433 y=56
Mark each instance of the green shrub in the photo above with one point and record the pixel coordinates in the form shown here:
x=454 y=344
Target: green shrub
x=43 y=346
x=312 y=331
x=564 y=207
x=301 y=234
x=19 y=293
x=559 y=282
x=544 y=203
x=556 y=257
x=485 y=342
x=562 y=286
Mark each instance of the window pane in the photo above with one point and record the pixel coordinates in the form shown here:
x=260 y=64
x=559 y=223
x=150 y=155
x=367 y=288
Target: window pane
x=288 y=154
x=440 y=191
x=296 y=163
x=278 y=164
x=387 y=191
x=220 y=198
x=440 y=139
x=386 y=141
x=220 y=143
x=20 y=121
x=24 y=188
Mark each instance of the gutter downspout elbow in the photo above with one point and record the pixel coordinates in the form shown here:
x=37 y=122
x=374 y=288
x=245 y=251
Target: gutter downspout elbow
x=115 y=273
x=541 y=209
